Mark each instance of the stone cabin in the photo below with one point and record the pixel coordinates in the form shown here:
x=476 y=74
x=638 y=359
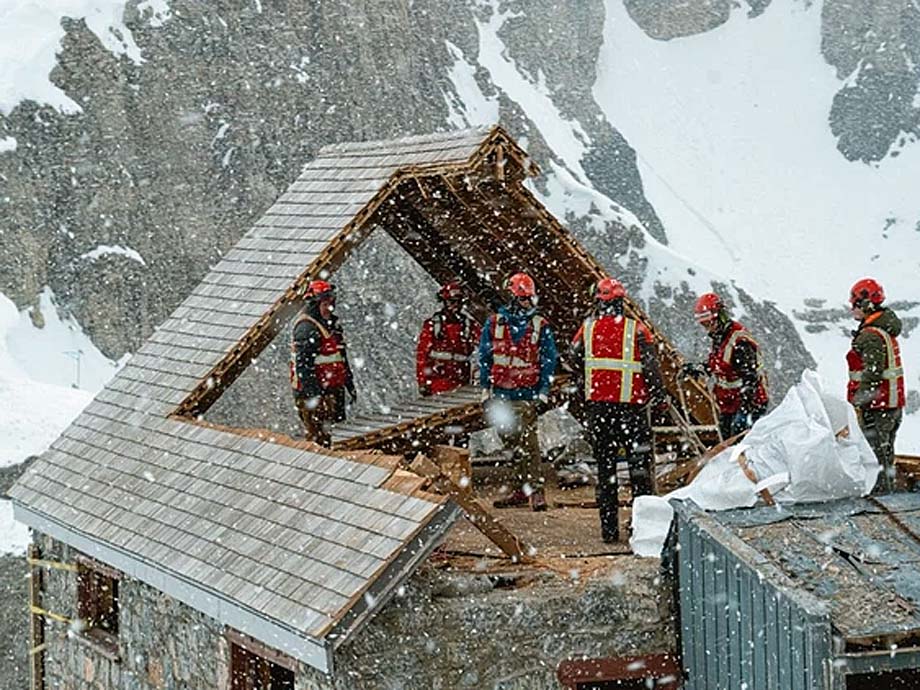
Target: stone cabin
x=174 y=552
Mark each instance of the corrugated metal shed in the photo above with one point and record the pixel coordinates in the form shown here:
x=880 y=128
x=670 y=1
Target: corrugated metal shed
x=802 y=596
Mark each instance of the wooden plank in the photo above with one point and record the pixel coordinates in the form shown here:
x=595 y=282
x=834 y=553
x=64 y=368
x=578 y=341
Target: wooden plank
x=455 y=464
x=494 y=530
x=36 y=622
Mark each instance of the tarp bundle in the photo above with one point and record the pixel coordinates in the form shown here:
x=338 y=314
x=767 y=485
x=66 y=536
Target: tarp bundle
x=796 y=452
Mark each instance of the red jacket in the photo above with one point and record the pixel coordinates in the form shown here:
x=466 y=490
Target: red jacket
x=727 y=380
x=612 y=357
x=442 y=358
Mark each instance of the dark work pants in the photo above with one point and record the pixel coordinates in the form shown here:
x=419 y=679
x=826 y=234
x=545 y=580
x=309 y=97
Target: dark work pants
x=880 y=428
x=619 y=432
x=733 y=424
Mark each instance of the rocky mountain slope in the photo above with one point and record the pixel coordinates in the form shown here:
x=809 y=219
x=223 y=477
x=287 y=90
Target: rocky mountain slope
x=160 y=152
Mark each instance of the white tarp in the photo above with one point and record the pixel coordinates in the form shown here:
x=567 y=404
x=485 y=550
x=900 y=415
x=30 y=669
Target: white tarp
x=794 y=452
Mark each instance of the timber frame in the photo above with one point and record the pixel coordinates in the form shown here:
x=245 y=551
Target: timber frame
x=472 y=220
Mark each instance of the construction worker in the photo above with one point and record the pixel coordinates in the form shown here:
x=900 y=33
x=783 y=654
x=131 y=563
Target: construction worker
x=617 y=356
x=445 y=345
x=736 y=366
x=517 y=359
x=320 y=373
x=876 y=386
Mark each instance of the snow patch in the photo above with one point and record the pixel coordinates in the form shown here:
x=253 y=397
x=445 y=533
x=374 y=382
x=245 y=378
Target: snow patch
x=566 y=138
x=737 y=157
x=109 y=249
x=36 y=376
x=30 y=38
x=7 y=144
x=473 y=107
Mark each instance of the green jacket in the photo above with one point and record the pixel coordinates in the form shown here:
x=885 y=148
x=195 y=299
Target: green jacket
x=871 y=348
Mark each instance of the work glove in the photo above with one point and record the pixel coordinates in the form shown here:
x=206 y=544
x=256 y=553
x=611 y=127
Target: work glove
x=740 y=421
x=693 y=370
x=486 y=394
x=663 y=405
x=543 y=398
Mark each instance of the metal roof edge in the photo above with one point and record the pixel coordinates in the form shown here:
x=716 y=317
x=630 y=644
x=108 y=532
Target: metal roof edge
x=692 y=514
x=227 y=612
x=385 y=585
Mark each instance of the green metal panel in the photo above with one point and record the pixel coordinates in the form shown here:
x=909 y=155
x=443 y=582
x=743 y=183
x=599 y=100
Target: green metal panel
x=744 y=625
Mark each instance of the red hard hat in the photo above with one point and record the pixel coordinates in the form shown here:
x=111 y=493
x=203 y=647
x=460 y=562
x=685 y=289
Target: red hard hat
x=707 y=307
x=609 y=289
x=868 y=289
x=450 y=290
x=320 y=288
x=521 y=285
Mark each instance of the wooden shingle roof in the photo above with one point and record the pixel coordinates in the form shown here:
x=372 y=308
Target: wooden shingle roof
x=274 y=540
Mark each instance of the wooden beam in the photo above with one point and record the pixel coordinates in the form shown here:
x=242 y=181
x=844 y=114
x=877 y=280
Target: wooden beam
x=495 y=531
x=36 y=621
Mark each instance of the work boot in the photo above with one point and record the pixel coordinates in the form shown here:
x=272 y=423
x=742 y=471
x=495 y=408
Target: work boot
x=538 y=501
x=513 y=500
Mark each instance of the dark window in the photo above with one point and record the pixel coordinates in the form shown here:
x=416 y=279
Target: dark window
x=249 y=671
x=97 y=591
x=905 y=679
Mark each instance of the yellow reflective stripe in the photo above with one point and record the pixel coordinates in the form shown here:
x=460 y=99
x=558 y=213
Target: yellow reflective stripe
x=629 y=339
x=855 y=376
x=448 y=356
x=588 y=335
x=892 y=372
x=725 y=383
x=511 y=361
x=537 y=325
x=499 y=328
x=328 y=359
x=613 y=364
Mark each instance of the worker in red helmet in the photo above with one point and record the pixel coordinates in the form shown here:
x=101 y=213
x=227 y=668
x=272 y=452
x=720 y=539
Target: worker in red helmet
x=735 y=364
x=445 y=345
x=320 y=373
x=616 y=356
x=876 y=386
x=517 y=360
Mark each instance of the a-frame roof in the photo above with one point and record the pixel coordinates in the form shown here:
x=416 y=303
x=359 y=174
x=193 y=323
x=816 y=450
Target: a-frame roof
x=265 y=535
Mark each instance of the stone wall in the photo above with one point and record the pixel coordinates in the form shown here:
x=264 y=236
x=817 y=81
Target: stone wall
x=443 y=630
x=163 y=644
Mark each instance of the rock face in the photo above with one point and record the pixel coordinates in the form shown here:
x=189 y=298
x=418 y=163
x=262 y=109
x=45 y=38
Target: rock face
x=873 y=44
x=122 y=207
x=177 y=156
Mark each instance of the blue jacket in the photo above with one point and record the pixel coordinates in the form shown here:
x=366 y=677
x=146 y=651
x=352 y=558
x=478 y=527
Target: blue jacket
x=517 y=323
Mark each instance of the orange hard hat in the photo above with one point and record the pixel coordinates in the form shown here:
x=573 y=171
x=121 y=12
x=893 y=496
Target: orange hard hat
x=707 y=307
x=609 y=289
x=320 y=288
x=450 y=290
x=867 y=289
x=521 y=285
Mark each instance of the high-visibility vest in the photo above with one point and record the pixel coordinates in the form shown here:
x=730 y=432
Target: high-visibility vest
x=516 y=365
x=613 y=362
x=329 y=363
x=446 y=346
x=890 y=392
x=727 y=382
